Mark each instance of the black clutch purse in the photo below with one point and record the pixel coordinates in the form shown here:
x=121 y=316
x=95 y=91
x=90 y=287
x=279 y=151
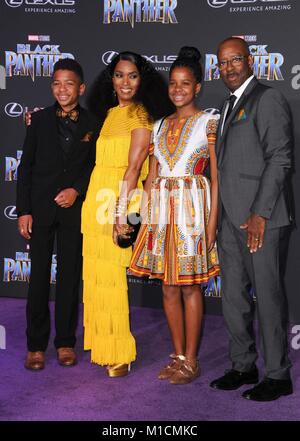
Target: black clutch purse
x=134 y=220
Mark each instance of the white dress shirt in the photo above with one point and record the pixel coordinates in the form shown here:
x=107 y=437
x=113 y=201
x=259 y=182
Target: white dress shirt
x=238 y=93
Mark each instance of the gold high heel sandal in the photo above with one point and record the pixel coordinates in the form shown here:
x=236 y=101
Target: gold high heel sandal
x=118 y=370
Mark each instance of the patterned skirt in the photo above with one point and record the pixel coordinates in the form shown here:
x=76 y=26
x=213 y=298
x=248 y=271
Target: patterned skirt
x=171 y=245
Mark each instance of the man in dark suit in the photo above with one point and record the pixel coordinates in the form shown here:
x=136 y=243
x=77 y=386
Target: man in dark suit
x=53 y=176
x=254 y=152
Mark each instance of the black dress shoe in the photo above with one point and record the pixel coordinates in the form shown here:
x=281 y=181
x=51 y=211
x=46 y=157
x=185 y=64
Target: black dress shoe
x=234 y=379
x=269 y=390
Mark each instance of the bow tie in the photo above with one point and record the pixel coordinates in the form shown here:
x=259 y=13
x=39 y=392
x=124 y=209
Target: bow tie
x=73 y=114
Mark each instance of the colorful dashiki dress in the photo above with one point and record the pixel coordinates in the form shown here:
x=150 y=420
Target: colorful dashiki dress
x=171 y=244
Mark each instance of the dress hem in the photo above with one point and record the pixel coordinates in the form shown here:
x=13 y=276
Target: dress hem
x=192 y=280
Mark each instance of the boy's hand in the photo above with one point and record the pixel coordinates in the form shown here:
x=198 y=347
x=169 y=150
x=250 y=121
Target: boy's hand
x=66 y=197
x=25 y=225
x=27 y=118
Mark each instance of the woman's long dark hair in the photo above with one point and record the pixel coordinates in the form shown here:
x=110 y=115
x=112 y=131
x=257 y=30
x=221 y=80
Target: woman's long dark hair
x=152 y=92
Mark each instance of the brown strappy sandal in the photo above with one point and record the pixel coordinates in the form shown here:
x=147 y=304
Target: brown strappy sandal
x=171 y=368
x=188 y=372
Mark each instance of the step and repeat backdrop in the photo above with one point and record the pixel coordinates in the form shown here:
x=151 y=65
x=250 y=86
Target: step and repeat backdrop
x=36 y=33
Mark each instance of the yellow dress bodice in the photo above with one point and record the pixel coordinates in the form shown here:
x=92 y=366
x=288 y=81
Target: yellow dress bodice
x=114 y=141
x=112 y=151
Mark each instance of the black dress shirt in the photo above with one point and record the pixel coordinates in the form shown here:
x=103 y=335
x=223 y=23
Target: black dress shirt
x=66 y=131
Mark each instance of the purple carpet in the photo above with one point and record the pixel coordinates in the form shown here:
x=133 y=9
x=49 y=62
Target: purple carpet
x=85 y=393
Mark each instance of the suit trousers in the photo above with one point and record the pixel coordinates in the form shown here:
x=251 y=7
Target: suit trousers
x=69 y=260
x=263 y=271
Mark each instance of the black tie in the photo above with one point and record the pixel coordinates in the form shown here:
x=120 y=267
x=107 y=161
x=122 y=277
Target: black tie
x=231 y=100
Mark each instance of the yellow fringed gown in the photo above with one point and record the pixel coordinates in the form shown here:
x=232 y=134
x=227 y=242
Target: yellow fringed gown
x=105 y=295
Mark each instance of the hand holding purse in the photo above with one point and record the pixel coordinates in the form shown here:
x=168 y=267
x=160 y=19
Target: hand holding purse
x=134 y=220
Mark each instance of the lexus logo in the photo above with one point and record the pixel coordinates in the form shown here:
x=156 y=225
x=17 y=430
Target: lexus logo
x=14 y=3
x=221 y=3
x=217 y=3
x=13 y=110
x=10 y=212
x=17 y=3
x=159 y=60
x=108 y=56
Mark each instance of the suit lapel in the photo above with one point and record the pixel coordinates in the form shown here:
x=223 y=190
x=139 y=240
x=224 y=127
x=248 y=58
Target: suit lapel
x=53 y=130
x=219 y=131
x=240 y=103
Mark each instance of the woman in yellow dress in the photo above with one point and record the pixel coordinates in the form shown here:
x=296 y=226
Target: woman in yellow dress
x=128 y=96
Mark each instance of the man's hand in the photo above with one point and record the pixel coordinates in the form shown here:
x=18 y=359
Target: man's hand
x=255 y=226
x=66 y=197
x=25 y=225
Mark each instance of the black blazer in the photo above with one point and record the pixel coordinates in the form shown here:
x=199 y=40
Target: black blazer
x=45 y=170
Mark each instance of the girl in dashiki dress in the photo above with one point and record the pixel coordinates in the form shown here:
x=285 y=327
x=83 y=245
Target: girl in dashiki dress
x=176 y=242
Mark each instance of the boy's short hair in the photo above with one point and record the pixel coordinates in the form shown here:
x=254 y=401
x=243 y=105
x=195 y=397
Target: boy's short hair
x=69 y=64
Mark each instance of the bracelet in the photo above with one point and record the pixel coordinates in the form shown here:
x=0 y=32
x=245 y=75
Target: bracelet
x=121 y=207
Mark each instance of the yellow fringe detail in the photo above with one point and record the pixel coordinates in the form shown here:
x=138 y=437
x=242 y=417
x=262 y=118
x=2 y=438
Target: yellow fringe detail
x=98 y=208
x=105 y=299
x=109 y=350
x=106 y=313
x=109 y=338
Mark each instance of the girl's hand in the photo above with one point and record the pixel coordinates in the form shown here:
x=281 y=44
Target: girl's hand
x=211 y=233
